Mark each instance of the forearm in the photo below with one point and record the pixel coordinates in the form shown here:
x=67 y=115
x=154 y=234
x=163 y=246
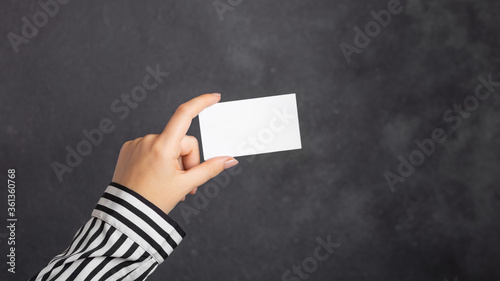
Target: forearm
x=126 y=239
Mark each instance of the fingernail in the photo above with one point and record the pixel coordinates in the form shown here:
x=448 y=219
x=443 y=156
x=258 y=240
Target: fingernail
x=216 y=94
x=230 y=163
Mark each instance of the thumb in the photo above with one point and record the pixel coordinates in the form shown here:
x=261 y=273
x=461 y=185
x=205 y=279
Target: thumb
x=200 y=174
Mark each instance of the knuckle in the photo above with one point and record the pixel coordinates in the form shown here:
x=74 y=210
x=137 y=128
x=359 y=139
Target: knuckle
x=212 y=172
x=157 y=149
x=184 y=108
x=149 y=138
x=126 y=145
x=192 y=139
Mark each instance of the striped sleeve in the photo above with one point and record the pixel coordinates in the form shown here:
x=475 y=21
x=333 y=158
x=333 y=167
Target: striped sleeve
x=126 y=239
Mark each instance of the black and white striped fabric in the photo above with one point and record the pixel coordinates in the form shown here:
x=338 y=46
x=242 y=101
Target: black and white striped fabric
x=126 y=239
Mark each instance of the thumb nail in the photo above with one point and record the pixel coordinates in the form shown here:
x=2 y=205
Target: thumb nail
x=230 y=163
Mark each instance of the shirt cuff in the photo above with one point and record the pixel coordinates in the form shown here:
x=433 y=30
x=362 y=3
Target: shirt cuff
x=140 y=220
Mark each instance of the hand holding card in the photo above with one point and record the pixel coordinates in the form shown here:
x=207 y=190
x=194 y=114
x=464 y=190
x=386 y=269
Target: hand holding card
x=251 y=126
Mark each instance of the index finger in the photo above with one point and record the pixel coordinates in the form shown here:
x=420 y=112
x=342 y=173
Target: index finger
x=179 y=124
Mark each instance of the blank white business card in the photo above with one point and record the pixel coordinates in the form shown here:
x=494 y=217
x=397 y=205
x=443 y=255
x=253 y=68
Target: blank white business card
x=251 y=126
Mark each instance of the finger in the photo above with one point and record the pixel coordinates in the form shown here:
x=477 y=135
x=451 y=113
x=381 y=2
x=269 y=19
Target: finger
x=190 y=152
x=200 y=174
x=193 y=191
x=179 y=124
x=181 y=165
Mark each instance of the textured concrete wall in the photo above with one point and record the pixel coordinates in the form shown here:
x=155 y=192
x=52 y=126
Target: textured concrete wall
x=365 y=103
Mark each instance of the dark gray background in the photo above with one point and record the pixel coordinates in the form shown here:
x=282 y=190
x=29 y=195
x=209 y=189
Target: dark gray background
x=355 y=119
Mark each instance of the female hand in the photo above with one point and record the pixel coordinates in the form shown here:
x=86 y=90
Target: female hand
x=164 y=168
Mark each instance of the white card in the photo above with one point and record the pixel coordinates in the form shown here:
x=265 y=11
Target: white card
x=251 y=126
